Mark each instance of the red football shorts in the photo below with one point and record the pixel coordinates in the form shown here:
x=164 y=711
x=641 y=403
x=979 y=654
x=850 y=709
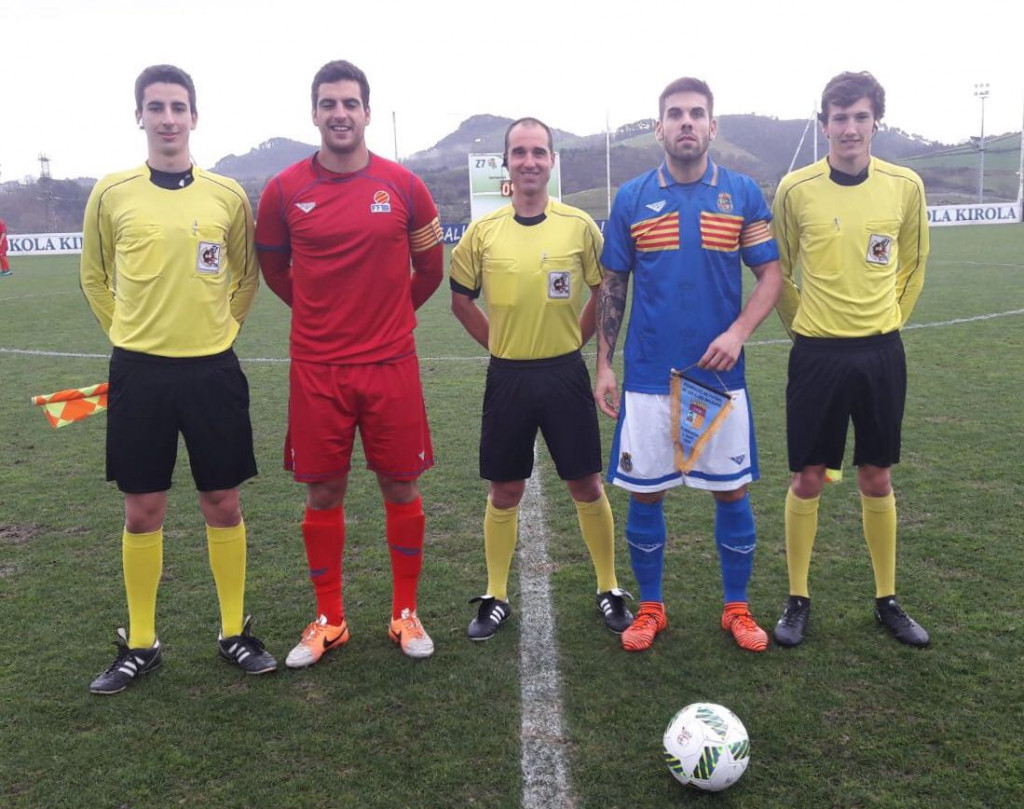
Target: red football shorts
x=326 y=404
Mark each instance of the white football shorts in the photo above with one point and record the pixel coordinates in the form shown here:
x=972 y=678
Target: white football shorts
x=643 y=454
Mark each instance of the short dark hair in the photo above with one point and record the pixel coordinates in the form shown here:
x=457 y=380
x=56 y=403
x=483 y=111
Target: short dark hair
x=848 y=88
x=164 y=74
x=687 y=84
x=341 y=70
x=529 y=122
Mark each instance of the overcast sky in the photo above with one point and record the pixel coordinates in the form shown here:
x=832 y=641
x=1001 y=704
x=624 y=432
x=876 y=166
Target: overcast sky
x=68 y=67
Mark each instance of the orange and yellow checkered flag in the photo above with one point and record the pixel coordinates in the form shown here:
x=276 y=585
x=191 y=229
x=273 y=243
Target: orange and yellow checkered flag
x=66 y=406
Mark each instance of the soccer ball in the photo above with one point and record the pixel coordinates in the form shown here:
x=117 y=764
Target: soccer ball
x=706 y=745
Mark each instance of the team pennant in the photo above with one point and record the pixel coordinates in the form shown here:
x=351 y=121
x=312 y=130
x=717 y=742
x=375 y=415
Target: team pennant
x=697 y=413
x=75 y=404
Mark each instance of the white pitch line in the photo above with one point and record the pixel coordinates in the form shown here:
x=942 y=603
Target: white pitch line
x=16 y=298
x=934 y=325
x=30 y=352
x=974 y=263
x=545 y=760
x=958 y=320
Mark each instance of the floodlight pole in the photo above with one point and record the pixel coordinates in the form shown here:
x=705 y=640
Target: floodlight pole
x=800 y=145
x=814 y=127
x=608 y=159
x=394 y=130
x=1020 y=174
x=981 y=91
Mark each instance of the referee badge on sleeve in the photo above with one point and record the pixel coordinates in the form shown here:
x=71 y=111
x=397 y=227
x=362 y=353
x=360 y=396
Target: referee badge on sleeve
x=879 y=248
x=208 y=258
x=558 y=284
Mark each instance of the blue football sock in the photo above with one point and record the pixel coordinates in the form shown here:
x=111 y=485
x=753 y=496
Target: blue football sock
x=645 y=535
x=736 y=539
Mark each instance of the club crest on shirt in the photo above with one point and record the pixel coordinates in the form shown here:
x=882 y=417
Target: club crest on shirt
x=558 y=284
x=208 y=257
x=879 y=248
x=626 y=462
x=725 y=202
x=305 y=207
x=381 y=202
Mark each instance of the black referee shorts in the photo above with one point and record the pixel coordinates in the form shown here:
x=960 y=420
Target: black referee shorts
x=152 y=399
x=552 y=395
x=835 y=380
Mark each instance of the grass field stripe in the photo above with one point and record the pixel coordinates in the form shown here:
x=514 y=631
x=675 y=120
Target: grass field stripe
x=545 y=763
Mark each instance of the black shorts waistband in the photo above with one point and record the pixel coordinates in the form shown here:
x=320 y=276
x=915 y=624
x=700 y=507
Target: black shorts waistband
x=847 y=343
x=124 y=355
x=547 y=362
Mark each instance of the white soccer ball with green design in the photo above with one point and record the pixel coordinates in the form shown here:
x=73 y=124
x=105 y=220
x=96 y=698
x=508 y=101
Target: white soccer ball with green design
x=707 y=746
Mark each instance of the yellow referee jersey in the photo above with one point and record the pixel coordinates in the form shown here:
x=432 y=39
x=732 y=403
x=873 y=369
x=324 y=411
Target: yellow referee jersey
x=534 y=278
x=861 y=250
x=169 y=272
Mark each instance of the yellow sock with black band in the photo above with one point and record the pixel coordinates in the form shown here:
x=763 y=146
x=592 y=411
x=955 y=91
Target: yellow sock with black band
x=879 y=515
x=801 y=531
x=501 y=527
x=598 y=529
x=227 y=561
x=142 y=557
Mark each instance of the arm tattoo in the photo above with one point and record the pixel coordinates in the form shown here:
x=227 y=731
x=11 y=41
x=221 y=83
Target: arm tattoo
x=611 y=308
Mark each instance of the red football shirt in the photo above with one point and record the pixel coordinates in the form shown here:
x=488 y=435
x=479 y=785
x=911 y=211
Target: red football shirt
x=351 y=239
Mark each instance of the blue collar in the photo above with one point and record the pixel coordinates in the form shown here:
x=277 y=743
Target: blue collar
x=710 y=176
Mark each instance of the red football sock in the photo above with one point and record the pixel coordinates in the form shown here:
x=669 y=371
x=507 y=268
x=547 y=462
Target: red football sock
x=324 y=535
x=405 y=523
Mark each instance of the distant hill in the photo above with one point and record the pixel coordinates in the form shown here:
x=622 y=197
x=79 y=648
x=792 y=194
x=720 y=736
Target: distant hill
x=950 y=174
x=478 y=133
x=265 y=160
x=758 y=145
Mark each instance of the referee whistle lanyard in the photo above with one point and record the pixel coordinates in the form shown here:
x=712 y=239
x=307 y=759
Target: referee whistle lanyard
x=698 y=411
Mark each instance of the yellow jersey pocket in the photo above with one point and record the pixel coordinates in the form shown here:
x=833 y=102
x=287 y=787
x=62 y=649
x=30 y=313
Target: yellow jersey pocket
x=500 y=282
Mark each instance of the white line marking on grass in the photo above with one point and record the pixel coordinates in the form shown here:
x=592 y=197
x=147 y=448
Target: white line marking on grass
x=545 y=758
x=937 y=324
x=26 y=352
x=29 y=352
x=958 y=320
x=36 y=295
x=954 y=262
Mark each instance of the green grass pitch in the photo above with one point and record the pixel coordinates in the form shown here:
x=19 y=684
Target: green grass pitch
x=850 y=719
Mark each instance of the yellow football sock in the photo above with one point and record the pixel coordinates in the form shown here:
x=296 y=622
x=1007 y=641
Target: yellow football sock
x=142 y=556
x=879 y=514
x=598 y=529
x=227 y=560
x=501 y=526
x=801 y=530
